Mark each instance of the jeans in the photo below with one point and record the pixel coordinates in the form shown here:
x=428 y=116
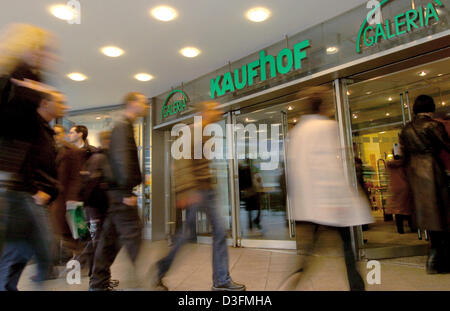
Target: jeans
x=221 y=273
x=122 y=225
x=27 y=234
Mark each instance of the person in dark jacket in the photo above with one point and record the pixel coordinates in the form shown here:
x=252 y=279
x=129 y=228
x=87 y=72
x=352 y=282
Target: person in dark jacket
x=27 y=232
x=422 y=141
x=122 y=222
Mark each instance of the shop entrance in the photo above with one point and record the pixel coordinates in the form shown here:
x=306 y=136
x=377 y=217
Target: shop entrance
x=379 y=108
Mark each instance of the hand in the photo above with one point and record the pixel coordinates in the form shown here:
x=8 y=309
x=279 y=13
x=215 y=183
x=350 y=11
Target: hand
x=189 y=199
x=41 y=198
x=130 y=201
x=34 y=85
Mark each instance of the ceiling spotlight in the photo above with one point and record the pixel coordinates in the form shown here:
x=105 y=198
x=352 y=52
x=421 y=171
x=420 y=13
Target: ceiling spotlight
x=443 y=103
x=76 y=76
x=63 y=12
x=290 y=108
x=355 y=116
x=295 y=120
x=422 y=73
x=390 y=99
x=112 y=51
x=144 y=77
x=332 y=50
x=164 y=13
x=190 y=52
x=368 y=93
x=98 y=118
x=348 y=93
x=387 y=114
x=382 y=132
x=258 y=14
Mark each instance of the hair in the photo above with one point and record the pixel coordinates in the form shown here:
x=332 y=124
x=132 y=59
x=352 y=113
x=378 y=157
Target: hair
x=81 y=129
x=60 y=126
x=131 y=97
x=424 y=103
x=16 y=40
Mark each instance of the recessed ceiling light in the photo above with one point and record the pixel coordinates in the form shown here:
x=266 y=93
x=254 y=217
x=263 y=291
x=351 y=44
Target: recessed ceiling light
x=144 y=77
x=355 y=116
x=295 y=120
x=332 y=50
x=440 y=75
x=387 y=114
x=348 y=93
x=98 y=118
x=290 y=108
x=63 y=12
x=258 y=14
x=368 y=93
x=112 y=51
x=422 y=73
x=190 y=52
x=382 y=132
x=443 y=103
x=164 y=13
x=390 y=99
x=76 y=76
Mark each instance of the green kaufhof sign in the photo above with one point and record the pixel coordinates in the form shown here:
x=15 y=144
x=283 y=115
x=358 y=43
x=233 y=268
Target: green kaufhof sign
x=419 y=17
x=175 y=102
x=245 y=76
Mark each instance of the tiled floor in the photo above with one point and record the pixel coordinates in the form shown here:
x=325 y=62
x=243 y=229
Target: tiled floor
x=260 y=270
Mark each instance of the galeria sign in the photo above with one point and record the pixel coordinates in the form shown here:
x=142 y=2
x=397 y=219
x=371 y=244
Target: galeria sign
x=245 y=76
x=405 y=22
x=175 y=102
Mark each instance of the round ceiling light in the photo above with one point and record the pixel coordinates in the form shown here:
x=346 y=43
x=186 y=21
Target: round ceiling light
x=190 y=52
x=258 y=15
x=63 y=12
x=422 y=73
x=144 y=77
x=112 y=51
x=76 y=76
x=164 y=13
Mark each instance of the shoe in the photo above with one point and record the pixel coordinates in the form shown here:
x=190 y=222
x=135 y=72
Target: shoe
x=229 y=287
x=433 y=262
x=101 y=289
x=159 y=286
x=113 y=283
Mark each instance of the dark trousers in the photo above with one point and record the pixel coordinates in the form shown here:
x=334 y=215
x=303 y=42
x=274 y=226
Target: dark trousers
x=307 y=237
x=27 y=235
x=121 y=227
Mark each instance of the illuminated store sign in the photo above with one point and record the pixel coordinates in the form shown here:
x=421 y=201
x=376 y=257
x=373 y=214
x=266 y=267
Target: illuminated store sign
x=245 y=76
x=405 y=22
x=175 y=102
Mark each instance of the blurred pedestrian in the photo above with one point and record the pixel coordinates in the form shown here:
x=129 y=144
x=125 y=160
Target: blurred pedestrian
x=422 y=141
x=122 y=222
x=78 y=136
x=318 y=190
x=194 y=189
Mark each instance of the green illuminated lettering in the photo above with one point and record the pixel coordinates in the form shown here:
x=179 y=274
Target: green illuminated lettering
x=379 y=32
x=399 y=24
x=299 y=54
x=240 y=85
x=411 y=21
x=227 y=84
x=264 y=59
x=252 y=73
x=388 y=30
x=215 y=88
x=288 y=54
x=372 y=40
x=421 y=16
x=431 y=13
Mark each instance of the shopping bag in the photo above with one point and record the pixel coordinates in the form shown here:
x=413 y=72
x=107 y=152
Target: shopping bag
x=76 y=219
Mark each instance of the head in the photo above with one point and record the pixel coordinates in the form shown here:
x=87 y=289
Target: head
x=105 y=139
x=22 y=43
x=136 y=104
x=315 y=97
x=424 y=104
x=52 y=106
x=77 y=134
x=209 y=111
x=60 y=133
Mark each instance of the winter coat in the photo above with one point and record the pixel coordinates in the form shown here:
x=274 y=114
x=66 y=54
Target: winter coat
x=399 y=201
x=317 y=189
x=422 y=141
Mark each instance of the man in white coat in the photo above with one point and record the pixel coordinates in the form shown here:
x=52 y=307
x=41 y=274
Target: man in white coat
x=318 y=189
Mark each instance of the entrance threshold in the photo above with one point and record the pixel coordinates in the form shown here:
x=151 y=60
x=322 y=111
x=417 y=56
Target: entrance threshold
x=393 y=252
x=262 y=244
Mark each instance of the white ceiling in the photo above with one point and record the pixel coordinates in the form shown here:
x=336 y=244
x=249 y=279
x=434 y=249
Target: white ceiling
x=217 y=27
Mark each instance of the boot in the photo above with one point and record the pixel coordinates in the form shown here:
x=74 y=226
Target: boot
x=434 y=261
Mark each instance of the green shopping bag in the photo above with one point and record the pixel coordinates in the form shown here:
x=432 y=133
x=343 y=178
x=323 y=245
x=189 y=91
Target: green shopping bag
x=76 y=219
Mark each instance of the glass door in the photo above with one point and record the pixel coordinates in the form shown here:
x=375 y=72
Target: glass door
x=262 y=209
x=379 y=108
